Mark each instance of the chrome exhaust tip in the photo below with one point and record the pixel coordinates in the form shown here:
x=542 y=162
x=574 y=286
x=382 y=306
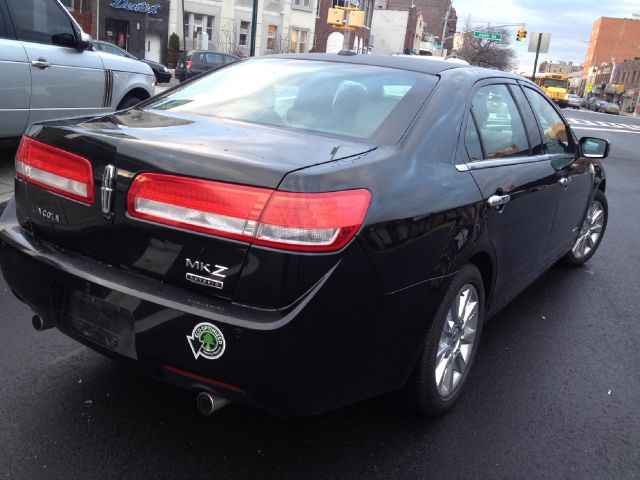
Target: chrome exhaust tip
x=208 y=403
x=40 y=323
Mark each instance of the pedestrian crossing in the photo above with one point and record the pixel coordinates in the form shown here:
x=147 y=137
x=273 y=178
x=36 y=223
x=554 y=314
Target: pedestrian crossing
x=581 y=124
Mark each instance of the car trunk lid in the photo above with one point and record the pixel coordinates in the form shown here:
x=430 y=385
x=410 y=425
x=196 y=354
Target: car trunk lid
x=127 y=144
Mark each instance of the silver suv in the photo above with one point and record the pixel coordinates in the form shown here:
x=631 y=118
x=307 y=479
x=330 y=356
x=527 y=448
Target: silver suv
x=48 y=69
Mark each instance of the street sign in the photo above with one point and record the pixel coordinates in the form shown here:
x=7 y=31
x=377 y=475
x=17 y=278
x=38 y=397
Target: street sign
x=589 y=87
x=544 y=38
x=488 y=35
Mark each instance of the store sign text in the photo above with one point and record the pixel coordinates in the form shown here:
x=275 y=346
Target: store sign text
x=141 y=7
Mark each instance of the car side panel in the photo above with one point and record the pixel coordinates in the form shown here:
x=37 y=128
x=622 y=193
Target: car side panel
x=15 y=88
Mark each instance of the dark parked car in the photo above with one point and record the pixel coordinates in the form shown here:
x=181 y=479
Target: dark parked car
x=595 y=103
x=608 y=107
x=196 y=62
x=162 y=73
x=258 y=248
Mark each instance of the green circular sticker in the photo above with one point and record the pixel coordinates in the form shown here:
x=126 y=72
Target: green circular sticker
x=206 y=340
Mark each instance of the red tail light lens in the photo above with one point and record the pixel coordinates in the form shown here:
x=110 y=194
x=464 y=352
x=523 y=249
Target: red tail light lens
x=312 y=221
x=291 y=221
x=189 y=64
x=55 y=170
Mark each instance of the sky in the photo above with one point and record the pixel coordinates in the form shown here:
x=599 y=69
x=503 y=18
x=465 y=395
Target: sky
x=568 y=21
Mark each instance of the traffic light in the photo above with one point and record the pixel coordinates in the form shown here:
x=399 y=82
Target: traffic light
x=522 y=35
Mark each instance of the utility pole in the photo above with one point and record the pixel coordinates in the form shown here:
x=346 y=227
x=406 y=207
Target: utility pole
x=184 y=34
x=444 y=29
x=254 y=28
x=535 y=62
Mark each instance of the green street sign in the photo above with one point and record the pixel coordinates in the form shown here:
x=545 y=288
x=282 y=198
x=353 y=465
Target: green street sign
x=489 y=35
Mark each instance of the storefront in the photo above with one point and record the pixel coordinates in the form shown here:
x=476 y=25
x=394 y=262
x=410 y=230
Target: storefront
x=141 y=28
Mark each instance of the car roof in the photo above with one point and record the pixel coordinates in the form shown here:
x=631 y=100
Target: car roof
x=402 y=62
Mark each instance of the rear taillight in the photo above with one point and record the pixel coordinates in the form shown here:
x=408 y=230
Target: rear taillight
x=291 y=221
x=188 y=64
x=55 y=170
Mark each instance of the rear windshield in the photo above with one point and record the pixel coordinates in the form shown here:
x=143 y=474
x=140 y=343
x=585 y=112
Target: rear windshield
x=360 y=101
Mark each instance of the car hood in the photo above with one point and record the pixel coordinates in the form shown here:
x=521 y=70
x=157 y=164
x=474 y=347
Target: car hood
x=123 y=64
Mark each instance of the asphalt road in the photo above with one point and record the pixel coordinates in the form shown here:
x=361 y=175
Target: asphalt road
x=554 y=394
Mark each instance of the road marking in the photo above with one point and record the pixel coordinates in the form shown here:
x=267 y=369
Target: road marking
x=581 y=124
x=605 y=129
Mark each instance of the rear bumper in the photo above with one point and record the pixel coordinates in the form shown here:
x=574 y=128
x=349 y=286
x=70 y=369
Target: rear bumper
x=344 y=340
x=163 y=77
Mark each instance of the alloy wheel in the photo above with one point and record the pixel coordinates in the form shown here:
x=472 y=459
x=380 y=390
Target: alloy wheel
x=590 y=231
x=457 y=340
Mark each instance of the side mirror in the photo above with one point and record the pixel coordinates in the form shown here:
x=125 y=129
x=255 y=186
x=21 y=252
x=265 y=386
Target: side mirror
x=591 y=147
x=64 y=40
x=86 y=42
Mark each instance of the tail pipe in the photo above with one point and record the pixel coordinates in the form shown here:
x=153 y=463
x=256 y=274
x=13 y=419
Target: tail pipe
x=207 y=403
x=40 y=323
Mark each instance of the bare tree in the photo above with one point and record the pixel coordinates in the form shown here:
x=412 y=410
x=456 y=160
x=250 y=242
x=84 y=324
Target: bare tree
x=228 y=39
x=496 y=54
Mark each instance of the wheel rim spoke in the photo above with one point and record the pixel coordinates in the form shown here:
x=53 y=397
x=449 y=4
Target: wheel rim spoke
x=590 y=232
x=457 y=340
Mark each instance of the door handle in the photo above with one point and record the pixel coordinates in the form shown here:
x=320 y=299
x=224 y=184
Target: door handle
x=496 y=201
x=564 y=181
x=40 y=63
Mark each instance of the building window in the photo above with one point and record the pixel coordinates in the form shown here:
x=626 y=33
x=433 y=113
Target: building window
x=244 y=33
x=271 y=37
x=302 y=4
x=68 y=4
x=318 y=8
x=298 y=41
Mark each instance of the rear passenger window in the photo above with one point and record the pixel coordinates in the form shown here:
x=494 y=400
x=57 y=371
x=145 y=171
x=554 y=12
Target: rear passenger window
x=39 y=20
x=472 y=141
x=213 y=59
x=556 y=138
x=499 y=123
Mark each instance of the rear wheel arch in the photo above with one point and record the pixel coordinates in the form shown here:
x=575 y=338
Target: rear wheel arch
x=602 y=185
x=482 y=261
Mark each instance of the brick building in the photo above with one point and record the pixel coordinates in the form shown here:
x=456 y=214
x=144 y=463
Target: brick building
x=561 y=67
x=434 y=13
x=612 y=39
x=328 y=39
x=84 y=11
x=629 y=78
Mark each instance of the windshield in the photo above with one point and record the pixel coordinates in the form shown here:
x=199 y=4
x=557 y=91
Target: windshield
x=555 y=83
x=326 y=97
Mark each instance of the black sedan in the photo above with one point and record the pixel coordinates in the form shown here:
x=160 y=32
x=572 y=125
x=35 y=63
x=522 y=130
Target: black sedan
x=341 y=229
x=162 y=73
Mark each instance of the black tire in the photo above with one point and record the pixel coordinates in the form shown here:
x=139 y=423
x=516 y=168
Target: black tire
x=571 y=258
x=421 y=395
x=129 y=101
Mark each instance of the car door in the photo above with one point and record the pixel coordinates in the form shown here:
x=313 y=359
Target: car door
x=65 y=81
x=15 y=81
x=575 y=174
x=517 y=182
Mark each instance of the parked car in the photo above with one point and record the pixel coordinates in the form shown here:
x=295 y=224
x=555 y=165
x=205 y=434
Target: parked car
x=49 y=70
x=608 y=107
x=253 y=246
x=194 y=63
x=595 y=104
x=575 y=101
x=162 y=73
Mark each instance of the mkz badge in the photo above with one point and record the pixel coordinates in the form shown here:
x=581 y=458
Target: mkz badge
x=206 y=341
